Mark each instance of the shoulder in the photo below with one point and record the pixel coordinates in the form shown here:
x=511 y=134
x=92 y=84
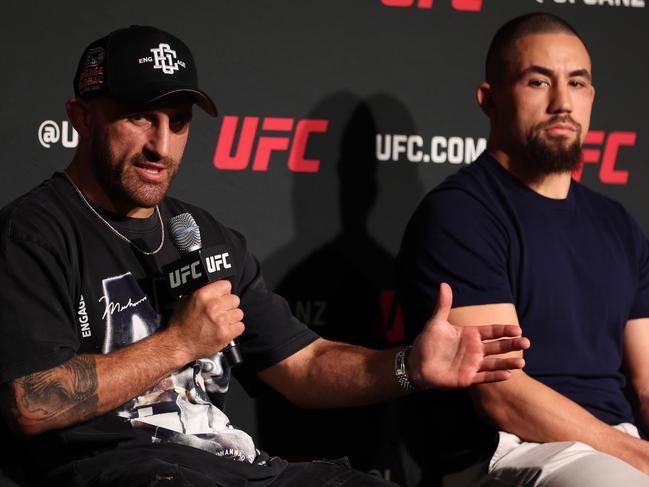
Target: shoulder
x=472 y=197
x=599 y=201
x=610 y=217
x=601 y=206
x=41 y=215
x=472 y=186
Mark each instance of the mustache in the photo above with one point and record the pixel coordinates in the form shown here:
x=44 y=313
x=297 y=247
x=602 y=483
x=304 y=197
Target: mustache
x=563 y=119
x=167 y=162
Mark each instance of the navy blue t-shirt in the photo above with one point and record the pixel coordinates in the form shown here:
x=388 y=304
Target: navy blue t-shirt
x=576 y=270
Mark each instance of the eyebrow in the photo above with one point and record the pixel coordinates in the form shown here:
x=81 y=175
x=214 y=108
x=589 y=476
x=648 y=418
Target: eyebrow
x=548 y=72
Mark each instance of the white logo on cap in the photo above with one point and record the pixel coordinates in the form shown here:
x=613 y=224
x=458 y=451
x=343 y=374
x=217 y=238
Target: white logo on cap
x=164 y=58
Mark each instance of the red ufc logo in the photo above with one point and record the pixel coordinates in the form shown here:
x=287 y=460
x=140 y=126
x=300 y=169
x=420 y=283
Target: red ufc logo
x=607 y=157
x=464 y=5
x=224 y=158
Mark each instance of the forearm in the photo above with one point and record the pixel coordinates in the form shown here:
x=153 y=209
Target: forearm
x=636 y=341
x=88 y=386
x=335 y=375
x=534 y=412
x=332 y=374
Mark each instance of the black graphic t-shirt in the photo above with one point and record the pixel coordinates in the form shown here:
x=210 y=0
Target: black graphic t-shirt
x=70 y=286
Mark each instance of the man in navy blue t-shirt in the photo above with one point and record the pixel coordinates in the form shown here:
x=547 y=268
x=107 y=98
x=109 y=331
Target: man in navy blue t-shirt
x=521 y=242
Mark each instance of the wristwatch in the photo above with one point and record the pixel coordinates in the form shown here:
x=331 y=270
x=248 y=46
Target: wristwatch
x=400 y=369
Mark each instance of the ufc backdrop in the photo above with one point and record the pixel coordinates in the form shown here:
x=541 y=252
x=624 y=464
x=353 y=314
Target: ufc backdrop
x=335 y=118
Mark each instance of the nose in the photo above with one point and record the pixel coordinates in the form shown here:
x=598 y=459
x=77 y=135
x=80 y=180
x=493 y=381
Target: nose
x=159 y=140
x=561 y=101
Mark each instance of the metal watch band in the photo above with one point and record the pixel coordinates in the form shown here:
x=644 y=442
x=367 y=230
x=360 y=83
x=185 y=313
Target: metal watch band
x=400 y=369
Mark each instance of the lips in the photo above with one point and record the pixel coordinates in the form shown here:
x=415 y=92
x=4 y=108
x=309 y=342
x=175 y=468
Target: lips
x=561 y=129
x=151 y=172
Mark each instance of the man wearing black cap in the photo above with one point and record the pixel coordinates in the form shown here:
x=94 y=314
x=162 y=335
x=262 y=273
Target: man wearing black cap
x=109 y=379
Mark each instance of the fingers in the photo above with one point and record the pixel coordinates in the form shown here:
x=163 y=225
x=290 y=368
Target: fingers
x=489 y=332
x=225 y=302
x=444 y=302
x=216 y=297
x=228 y=317
x=216 y=288
x=215 y=302
x=492 y=376
x=506 y=345
x=208 y=319
x=235 y=327
x=496 y=370
x=224 y=311
x=509 y=363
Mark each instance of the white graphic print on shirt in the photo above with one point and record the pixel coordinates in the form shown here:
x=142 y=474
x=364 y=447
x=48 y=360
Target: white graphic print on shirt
x=178 y=409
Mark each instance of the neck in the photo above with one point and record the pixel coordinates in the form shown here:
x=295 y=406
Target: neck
x=554 y=185
x=81 y=175
x=114 y=230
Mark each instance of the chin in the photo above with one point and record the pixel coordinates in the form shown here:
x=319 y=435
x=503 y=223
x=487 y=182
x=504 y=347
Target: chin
x=147 y=199
x=553 y=158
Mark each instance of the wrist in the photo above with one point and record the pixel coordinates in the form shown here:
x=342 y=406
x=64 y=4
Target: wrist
x=173 y=344
x=401 y=373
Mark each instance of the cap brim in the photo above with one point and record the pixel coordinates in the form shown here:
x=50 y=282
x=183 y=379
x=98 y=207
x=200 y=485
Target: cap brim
x=201 y=99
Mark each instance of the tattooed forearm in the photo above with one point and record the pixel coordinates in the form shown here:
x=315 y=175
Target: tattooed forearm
x=67 y=392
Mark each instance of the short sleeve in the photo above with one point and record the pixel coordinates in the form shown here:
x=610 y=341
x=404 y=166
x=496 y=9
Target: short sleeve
x=272 y=333
x=454 y=238
x=36 y=312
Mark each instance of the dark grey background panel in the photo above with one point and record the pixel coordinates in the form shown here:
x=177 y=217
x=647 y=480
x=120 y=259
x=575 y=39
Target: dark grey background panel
x=373 y=73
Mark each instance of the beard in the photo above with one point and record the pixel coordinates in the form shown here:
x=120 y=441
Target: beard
x=556 y=154
x=120 y=181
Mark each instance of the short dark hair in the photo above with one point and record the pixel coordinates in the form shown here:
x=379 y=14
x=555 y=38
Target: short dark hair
x=529 y=24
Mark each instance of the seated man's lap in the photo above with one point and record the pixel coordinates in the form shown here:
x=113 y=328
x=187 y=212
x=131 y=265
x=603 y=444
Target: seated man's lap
x=326 y=473
x=167 y=464
x=557 y=464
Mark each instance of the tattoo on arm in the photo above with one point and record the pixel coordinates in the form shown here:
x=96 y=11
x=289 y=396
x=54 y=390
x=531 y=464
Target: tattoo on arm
x=66 y=394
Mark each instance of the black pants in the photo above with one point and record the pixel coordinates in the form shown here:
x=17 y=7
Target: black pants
x=324 y=473
x=170 y=465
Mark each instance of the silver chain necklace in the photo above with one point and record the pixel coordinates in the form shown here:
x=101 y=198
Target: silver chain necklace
x=113 y=229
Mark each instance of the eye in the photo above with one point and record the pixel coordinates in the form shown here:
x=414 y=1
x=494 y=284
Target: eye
x=577 y=83
x=139 y=119
x=180 y=122
x=538 y=83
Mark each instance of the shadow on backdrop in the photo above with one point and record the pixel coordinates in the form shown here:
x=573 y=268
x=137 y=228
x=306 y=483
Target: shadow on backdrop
x=344 y=288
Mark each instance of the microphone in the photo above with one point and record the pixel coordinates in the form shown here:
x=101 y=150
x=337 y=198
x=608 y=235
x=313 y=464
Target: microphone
x=198 y=266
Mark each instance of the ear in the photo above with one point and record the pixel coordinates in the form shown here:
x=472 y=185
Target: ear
x=485 y=97
x=592 y=97
x=78 y=111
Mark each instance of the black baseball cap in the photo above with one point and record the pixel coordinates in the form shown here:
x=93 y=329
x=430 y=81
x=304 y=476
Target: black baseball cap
x=139 y=65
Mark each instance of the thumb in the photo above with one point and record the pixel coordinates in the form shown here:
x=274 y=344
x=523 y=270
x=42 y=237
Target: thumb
x=444 y=302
